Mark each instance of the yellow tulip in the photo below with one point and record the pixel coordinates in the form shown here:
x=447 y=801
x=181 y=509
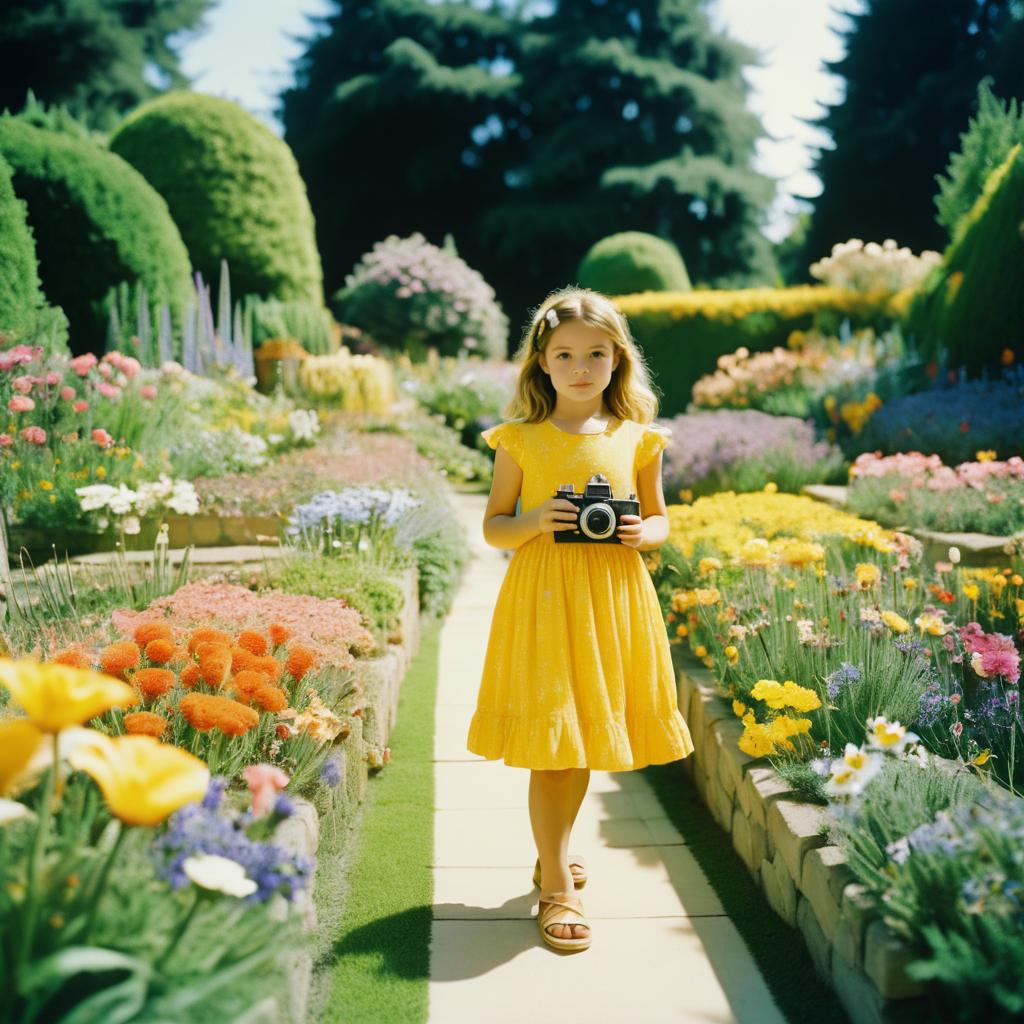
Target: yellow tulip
x=58 y=696
x=143 y=780
x=19 y=741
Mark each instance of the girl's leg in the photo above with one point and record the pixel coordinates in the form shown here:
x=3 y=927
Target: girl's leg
x=555 y=798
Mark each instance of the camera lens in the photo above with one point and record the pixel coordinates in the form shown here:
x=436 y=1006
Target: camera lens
x=597 y=521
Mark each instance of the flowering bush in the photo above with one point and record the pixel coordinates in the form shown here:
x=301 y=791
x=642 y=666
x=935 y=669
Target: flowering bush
x=743 y=451
x=127 y=505
x=411 y=295
x=357 y=383
x=985 y=495
x=873 y=267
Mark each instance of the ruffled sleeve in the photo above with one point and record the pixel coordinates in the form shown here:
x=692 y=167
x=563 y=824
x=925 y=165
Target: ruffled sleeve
x=509 y=437
x=653 y=439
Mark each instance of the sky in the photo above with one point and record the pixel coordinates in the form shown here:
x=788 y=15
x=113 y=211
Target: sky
x=247 y=50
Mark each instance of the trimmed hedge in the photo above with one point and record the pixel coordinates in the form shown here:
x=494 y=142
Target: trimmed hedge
x=683 y=334
x=234 y=190
x=20 y=292
x=972 y=304
x=633 y=261
x=96 y=223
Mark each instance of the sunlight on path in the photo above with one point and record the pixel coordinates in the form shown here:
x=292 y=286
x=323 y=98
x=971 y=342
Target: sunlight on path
x=663 y=949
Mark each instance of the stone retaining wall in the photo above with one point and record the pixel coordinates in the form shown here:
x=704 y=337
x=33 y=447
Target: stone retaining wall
x=381 y=681
x=806 y=881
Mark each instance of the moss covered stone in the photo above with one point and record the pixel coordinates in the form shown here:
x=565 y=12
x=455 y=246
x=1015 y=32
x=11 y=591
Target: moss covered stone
x=633 y=261
x=233 y=189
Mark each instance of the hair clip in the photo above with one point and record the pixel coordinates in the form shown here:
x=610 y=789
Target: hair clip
x=552 y=318
x=549 y=319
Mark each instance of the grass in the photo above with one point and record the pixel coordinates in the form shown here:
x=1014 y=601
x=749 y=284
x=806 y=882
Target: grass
x=382 y=950
x=778 y=950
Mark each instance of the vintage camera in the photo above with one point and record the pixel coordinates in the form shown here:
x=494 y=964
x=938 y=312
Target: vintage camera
x=598 y=512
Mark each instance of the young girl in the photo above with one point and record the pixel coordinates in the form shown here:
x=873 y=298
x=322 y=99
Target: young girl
x=578 y=671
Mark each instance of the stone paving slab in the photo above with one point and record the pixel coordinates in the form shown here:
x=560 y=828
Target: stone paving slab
x=663 y=949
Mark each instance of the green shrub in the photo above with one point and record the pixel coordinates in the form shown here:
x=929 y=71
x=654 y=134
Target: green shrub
x=233 y=189
x=20 y=292
x=96 y=223
x=972 y=304
x=633 y=261
x=310 y=325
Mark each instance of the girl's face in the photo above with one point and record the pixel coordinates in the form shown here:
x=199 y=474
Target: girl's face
x=579 y=359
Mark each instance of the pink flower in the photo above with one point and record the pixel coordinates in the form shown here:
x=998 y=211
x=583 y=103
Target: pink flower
x=6 y=440
x=130 y=366
x=108 y=390
x=67 y=393
x=23 y=385
x=80 y=406
x=34 y=435
x=265 y=781
x=52 y=379
x=148 y=391
x=105 y=371
x=993 y=654
x=21 y=403
x=102 y=438
x=18 y=356
x=83 y=364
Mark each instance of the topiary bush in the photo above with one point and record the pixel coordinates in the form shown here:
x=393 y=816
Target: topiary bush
x=411 y=296
x=233 y=189
x=20 y=292
x=633 y=261
x=96 y=223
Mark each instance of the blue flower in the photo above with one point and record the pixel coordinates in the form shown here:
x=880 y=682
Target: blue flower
x=331 y=773
x=842 y=677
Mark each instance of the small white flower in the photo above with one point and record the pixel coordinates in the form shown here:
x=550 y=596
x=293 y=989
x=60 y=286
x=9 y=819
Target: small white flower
x=886 y=735
x=954 y=555
x=219 y=874
x=11 y=810
x=131 y=525
x=851 y=773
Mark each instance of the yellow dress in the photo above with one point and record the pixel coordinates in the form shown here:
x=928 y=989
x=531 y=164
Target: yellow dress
x=578 y=671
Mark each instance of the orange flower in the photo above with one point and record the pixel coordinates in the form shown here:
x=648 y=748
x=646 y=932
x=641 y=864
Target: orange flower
x=253 y=641
x=300 y=661
x=278 y=634
x=270 y=666
x=145 y=723
x=241 y=659
x=205 y=634
x=215 y=665
x=190 y=676
x=76 y=659
x=271 y=698
x=118 y=657
x=160 y=650
x=205 y=712
x=153 y=682
x=148 y=631
x=248 y=682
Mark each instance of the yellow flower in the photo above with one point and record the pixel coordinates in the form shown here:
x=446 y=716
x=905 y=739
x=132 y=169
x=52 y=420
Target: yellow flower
x=707 y=596
x=58 y=696
x=701 y=651
x=739 y=709
x=799 y=698
x=756 y=740
x=1016 y=579
x=985 y=456
x=929 y=622
x=769 y=691
x=19 y=740
x=867 y=574
x=732 y=654
x=895 y=622
x=681 y=629
x=971 y=591
x=771 y=487
x=101 y=471
x=45 y=485
x=143 y=780
x=985 y=754
x=709 y=565
x=909 y=584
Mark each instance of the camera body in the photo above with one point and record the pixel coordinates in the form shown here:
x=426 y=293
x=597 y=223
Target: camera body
x=599 y=512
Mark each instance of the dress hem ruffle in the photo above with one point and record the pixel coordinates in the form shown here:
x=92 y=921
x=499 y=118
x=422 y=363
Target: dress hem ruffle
x=624 y=744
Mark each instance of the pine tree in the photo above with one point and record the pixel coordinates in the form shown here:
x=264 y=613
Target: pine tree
x=529 y=138
x=992 y=133
x=96 y=57
x=911 y=72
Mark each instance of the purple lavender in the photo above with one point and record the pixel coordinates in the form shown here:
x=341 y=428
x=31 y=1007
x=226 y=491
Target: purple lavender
x=330 y=773
x=842 y=677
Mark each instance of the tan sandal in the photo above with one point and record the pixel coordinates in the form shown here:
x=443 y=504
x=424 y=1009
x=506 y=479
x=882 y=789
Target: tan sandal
x=576 y=866
x=556 y=909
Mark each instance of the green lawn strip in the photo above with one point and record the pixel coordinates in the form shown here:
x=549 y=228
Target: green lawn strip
x=382 y=949
x=778 y=950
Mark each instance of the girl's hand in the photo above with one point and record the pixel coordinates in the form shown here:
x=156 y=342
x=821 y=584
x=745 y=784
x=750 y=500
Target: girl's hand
x=557 y=514
x=631 y=530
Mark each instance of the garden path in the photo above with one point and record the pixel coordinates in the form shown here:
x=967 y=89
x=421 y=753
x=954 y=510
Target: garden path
x=663 y=948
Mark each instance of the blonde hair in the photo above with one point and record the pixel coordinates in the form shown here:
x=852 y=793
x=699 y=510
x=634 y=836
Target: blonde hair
x=629 y=394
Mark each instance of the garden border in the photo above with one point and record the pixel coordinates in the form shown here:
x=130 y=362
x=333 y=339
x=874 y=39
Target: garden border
x=806 y=881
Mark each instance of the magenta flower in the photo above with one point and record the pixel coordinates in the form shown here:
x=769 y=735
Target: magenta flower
x=21 y=403
x=34 y=435
x=993 y=654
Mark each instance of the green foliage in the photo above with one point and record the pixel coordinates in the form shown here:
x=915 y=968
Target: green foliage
x=633 y=261
x=972 y=304
x=96 y=223
x=311 y=326
x=442 y=444
x=991 y=134
x=97 y=57
x=20 y=292
x=233 y=189
x=910 y=71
